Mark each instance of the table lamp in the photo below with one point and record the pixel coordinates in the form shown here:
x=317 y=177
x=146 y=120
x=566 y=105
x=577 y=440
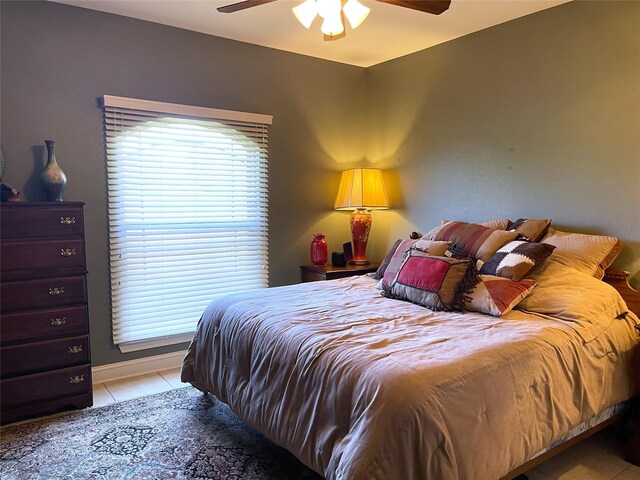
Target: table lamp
x=361 y=189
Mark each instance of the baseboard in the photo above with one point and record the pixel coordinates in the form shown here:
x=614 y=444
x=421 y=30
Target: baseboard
x=140 y=366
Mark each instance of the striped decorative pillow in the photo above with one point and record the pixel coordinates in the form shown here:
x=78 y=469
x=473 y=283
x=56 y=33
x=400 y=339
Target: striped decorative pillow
x=500 y=224
x=473 y=239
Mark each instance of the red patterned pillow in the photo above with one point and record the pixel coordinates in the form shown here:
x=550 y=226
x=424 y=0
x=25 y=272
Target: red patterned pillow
x=497 y=295
x=427 y=246
x=438 y=283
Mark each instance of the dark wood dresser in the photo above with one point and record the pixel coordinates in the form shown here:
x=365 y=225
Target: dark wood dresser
x=45 y=362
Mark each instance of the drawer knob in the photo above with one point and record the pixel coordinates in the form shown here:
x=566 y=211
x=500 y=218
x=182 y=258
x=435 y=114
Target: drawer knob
x=75 y=349
x=67 y=220
x=58 y=322
x=67 y=252
x=76 y=379
x=56 y=291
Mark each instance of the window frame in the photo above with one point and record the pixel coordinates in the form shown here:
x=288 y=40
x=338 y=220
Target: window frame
x=255 y=127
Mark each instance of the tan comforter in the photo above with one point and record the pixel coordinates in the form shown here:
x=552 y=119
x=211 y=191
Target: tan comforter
x=362 y=387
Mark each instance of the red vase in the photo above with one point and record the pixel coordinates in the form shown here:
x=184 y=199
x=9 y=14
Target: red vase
x=319 y=250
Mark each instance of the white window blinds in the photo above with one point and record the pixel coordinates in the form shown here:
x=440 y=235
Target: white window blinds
x=187 y=194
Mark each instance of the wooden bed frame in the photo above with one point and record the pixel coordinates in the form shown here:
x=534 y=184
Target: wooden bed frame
x=619 y=279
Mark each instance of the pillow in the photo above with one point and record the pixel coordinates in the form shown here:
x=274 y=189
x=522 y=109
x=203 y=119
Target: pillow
x=387 y=259
x=501 y=224
x=588 y=304
x=431 y=247
x=497 y=295
x=532 y=230
x=516 y=259
x=590 y=254
x=438 y=283
x=473 y=239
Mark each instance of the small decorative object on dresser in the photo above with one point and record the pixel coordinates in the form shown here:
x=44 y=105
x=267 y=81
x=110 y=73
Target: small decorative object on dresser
x=319 y=250
x=314 y=273
x=53 y=178
x=7 y=194
x=45 y=363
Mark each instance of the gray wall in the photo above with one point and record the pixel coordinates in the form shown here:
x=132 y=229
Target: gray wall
x=538 y=117
x=56 y=61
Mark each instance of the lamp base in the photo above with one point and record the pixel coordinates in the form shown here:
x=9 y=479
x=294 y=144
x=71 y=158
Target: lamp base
x=359 y=262
x=360 y=222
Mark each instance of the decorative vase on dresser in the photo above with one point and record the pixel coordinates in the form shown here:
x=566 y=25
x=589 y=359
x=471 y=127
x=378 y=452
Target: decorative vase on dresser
x=54 y=181
x=45 y=362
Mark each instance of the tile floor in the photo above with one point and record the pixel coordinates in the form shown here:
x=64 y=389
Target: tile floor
x=597 y=458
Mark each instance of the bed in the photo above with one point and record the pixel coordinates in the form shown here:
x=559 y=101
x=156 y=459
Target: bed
x=359 y=386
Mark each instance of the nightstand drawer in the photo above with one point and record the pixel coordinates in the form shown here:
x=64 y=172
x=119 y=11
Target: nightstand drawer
x=39 y=356
x=49 y=292
x=24 y=221
x=35 y=388
x=45 y=324
x=21 y=255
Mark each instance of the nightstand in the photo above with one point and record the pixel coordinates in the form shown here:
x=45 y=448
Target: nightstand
x=312 y=273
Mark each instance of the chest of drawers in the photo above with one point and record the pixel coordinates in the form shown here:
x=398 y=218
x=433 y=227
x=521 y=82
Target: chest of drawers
x=45 y=362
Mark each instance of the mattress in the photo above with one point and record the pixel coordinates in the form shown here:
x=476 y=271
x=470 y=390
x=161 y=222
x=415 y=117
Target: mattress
x=358 y=386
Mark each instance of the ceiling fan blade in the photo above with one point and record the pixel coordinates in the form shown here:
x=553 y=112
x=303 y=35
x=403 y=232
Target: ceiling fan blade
x=435 y=7
x=235 y=7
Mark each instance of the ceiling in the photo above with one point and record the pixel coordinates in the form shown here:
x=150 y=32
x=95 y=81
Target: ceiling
x=388 y=32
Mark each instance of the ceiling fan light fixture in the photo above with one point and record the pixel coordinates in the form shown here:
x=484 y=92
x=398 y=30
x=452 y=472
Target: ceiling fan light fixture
x=329 y=8
x=306 y=12
x=355 y=12
x=332 y=25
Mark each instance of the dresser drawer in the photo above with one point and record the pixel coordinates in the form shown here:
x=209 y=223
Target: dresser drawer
x=39 y=356
x=35 y=388
x=20 y=221
x=48 y=292
x=37 y=325
x=29 y=255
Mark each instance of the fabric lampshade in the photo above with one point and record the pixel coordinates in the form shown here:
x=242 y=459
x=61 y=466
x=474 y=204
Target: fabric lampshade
x=361 y=188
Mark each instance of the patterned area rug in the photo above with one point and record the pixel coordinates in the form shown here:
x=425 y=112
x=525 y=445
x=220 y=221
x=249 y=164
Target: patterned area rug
x=179 y=434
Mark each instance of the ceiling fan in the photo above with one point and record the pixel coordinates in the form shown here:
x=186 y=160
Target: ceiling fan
x=333 y=12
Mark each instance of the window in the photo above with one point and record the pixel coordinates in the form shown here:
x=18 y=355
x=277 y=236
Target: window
x=187 y=194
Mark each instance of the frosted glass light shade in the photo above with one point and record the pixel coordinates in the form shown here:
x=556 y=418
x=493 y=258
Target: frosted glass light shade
x=332 y=25
x=329 y=8
x=306 y=12
x=361 y=188
x=355 y=12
